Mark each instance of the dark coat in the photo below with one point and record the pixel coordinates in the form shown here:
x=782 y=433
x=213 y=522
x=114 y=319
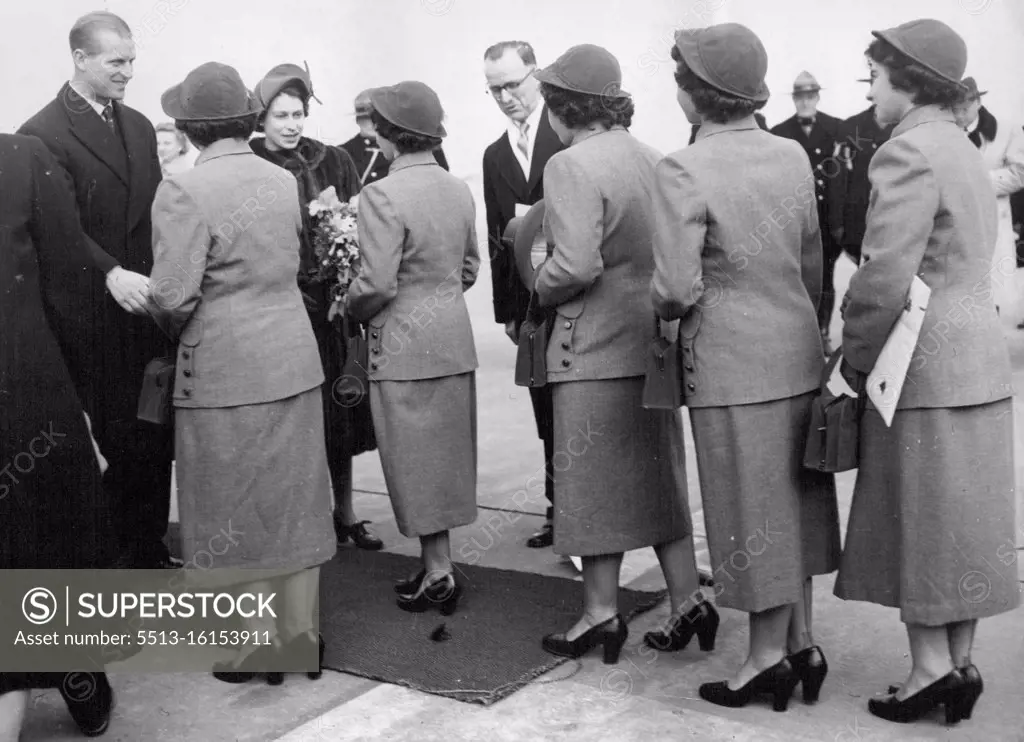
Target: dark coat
x=53 y=511
x=316 y=166
x=361 y=149
x=504 y=187
x=850 y=192
x=822 y=149
x=113 y=185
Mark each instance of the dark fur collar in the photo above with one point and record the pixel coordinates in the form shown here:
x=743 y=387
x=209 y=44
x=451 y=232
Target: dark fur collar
x=987 y=124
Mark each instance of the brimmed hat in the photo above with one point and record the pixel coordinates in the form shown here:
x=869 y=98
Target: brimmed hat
x=805 y=83
x=363 y=106
x=210 y=92
x=412 y=106
x=729 y=57
x=932 y=44
x=971 y=89
x=588 y=69
x=281 y=77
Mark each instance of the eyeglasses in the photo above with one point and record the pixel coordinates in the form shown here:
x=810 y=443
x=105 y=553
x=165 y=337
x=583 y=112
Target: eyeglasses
x=509 y=87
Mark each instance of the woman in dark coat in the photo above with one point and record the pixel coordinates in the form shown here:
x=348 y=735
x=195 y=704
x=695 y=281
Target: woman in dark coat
x=620 y=476
x=933 y=507
x=54 y=513
x=738 y=261
x=284 y=94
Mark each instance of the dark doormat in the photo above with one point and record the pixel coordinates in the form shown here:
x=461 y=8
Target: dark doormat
x=493 y=643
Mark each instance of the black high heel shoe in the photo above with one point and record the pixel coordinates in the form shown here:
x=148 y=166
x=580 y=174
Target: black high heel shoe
x=410 y=586
x=949 y=691
x=321 y=648
x=90 y=701
x=252 y=665
x=972 y=679
x=778 y=681
x=701 y=620
x=810 y=666
x=444 y=593
x=610 y=634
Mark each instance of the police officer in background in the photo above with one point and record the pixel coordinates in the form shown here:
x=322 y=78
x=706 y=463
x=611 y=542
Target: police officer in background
x=370 y=161
x=818 y=134
x=850 y=191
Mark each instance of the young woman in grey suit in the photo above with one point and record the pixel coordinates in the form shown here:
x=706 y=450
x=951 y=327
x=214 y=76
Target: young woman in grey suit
x=620 y=478
x=249 y=430
x=933 y=509
x=417 y=235
x=738 y=261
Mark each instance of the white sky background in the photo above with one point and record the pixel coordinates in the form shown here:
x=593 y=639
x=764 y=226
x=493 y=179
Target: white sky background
x=355 y=44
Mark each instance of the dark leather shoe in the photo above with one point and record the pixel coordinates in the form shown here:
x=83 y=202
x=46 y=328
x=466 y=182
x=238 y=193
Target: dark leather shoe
x=359 y=534
x=702 y=622
x=778 y=681
x=544 y=538
x=610 y=635
x=810 y=666
x=950 y=692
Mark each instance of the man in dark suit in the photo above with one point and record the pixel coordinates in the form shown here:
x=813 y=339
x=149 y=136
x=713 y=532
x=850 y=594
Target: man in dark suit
x=513 y=180
x=370 y=161
x=107 y=152
x=850 y=191
x=818 y=134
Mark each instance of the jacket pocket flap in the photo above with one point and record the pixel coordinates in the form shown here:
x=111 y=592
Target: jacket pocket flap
x=192 y=335
x=572 y=309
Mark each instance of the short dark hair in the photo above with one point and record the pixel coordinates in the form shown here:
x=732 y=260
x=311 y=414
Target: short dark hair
x=295 y=91
x=924 y=86
x=711 y=103
x=205 y=133
x=577 y=110
x=405 y=141
x=523 y=49
x=83 y=33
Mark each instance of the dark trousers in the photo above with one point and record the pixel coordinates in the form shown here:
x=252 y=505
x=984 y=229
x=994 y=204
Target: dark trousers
x=543 y=413
x=828 y=292
x=139 y=479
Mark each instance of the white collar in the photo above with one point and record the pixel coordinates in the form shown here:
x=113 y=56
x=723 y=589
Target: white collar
x=85 y=92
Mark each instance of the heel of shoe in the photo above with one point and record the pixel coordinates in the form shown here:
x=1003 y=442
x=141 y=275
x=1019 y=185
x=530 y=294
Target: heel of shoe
x=613 y=648
x=812 y=687
x=275 y=678
x=708 y=629
x=320 y=663
x=451 y=603
x=782 y=692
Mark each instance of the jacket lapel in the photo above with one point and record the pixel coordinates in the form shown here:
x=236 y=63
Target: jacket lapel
x=93 y=133
x=137 y=148
x=510 y=169
x=546 y=145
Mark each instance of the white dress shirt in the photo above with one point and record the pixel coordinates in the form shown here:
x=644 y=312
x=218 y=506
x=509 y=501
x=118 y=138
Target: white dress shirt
x=533 y=123
x=85 y=92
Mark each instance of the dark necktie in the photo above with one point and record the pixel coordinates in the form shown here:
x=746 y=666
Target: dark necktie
x=975 y=136
x=108 y=116
x=806 y=121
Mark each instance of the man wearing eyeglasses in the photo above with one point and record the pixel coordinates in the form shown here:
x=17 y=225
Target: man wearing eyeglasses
x=513 y=181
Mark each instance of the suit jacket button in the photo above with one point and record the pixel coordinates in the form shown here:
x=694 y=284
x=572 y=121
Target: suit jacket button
x=373 y=366
x=186 y=355
x=187 y=373
x=565 y=346
x=817 y=150
x=691 y=387
x=373 y=335
x=568 y=325
x=187 y=392
x=689 y=367
x=373 y=175
x=375 y=351
x=566 y=362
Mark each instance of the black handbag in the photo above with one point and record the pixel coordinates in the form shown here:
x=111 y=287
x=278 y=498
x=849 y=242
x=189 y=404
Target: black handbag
x=156 y=403
x=531 y=355
x=833 y=440
x=352 y=387
x=663 y=382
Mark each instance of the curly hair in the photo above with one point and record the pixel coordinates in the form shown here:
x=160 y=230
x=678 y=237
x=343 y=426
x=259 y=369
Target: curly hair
x=295 y=91
x=711 y=103
x=205 y=133
x=577 y=110
x=923 y=85
x=406 y=142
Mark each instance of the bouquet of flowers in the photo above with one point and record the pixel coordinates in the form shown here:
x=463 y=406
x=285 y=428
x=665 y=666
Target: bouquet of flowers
x=336 y=245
